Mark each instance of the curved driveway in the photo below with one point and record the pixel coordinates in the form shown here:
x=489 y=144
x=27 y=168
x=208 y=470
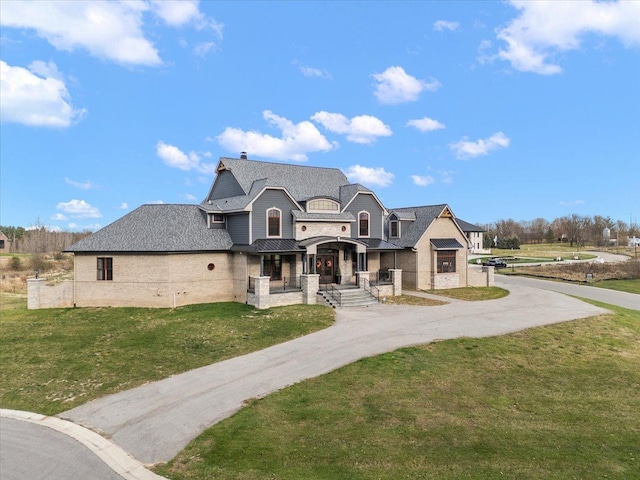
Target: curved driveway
x=155 y=421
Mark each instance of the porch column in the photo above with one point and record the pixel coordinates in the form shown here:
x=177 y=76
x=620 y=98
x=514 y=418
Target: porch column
x=310 y=285
x=396 y=277
x=261 y=295
x=362 y=275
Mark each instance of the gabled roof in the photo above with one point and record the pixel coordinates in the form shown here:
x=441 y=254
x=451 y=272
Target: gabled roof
x=413 y=231
x=301 y=181
x=157 y=229
x=468 y=227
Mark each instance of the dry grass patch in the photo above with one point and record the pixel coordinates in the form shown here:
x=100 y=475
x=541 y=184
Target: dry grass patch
x=414 y=300
x=472 y=293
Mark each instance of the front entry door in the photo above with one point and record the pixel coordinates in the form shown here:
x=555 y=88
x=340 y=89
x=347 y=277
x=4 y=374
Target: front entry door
x=325 y=266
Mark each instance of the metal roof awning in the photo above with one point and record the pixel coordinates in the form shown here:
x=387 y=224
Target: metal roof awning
x=446 y=244
x=270 y=245
x=379 y=244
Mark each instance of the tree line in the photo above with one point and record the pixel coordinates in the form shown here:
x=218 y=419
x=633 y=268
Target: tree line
x=576 y=230
x=39 y=239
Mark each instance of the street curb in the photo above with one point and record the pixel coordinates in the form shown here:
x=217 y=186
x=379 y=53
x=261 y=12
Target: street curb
x=117 y=459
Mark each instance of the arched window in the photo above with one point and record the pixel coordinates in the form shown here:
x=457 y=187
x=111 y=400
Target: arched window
x=322 y=205
x=363 y=224
x=273 y=222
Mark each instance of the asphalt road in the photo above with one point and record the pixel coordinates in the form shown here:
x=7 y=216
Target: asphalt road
x=612 y=297
x=34 y=452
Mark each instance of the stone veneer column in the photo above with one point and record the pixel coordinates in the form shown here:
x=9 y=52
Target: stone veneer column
x=396 y=274
x=310 y=284
x=33 y=292
x=490 y=271
x=362 y=275
x=262 y=292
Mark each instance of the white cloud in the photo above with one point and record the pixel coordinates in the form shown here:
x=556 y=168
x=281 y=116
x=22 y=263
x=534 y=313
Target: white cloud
x=426 y=124
x=314 y=72
x=574 y=202
x=545 y=28
x=124 y=206
x=466 y=149
x=423 y=180
x=176 y=158
x=87 y=185
x=189 y=197
x=59 y=217
x=397 y=86
x=297 y=140
x=369 y=176
x=78 y=209
x=91 y=227
x=441 y=25
x=109 y=30
x=360 y=129
x=38 y=101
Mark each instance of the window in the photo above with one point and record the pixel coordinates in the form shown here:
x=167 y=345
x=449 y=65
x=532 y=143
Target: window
x=446 y=260
x=394 y=228
x=322 y=205
x=2 y=244
x=272 y=267
x=217 y=218
x=363 y=224
x=105 y=268
x=273 y=222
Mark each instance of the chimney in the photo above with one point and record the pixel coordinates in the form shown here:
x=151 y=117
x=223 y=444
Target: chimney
x=243 y=155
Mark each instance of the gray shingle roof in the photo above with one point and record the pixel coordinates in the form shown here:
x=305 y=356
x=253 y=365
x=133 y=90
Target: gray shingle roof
x=379 y=244
x=412 y=231
x=157 y=228
x=302 y=181
x=270 y=245
x=468 y=227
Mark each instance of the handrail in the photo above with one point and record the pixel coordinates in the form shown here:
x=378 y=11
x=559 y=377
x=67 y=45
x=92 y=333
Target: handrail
x=333 y=292
x=370 y=288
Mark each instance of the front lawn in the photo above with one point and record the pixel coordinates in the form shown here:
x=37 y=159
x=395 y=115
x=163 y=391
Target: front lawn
x=558 y=402
x=53 y=360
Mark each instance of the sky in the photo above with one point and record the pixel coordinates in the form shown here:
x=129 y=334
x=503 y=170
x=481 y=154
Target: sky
x=502 y=110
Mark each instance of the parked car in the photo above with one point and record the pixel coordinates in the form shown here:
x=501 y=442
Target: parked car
x=495 y=262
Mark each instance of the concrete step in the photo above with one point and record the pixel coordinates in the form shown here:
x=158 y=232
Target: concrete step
x=354 y=297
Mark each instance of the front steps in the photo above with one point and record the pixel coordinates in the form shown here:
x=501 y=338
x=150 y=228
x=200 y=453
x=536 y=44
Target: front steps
x=349 y=297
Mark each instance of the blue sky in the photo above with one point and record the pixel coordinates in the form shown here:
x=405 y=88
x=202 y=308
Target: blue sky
x=500 y=109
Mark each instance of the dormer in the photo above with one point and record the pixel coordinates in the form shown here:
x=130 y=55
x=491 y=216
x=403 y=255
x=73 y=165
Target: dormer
x=322 y=205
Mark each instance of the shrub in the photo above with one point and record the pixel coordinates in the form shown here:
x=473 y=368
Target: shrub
x=15 y=263
x=39 y=262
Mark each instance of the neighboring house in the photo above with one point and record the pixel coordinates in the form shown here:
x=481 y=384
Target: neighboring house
x=5 y=244
x=475 y=236
x=266 y=220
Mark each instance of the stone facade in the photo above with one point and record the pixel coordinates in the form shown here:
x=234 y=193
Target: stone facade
x=160 y=280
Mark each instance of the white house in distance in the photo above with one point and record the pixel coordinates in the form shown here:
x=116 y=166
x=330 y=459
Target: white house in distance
x=267 y=228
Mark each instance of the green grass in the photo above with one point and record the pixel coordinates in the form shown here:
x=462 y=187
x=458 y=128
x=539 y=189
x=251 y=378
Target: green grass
x=559 y=402
x=53 y=360
x=629 y=286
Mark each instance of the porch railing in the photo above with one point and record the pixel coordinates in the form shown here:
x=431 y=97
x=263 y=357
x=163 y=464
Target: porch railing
x=372 y=289
x=286 y=284
x=334 y=293
x=382 y=277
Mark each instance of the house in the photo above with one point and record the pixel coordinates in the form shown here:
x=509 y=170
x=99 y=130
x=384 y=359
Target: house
x=475 y=236
x=263 y=228
x=5 y=244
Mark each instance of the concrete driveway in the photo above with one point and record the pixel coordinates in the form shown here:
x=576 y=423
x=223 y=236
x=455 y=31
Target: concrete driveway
x=156 y=421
